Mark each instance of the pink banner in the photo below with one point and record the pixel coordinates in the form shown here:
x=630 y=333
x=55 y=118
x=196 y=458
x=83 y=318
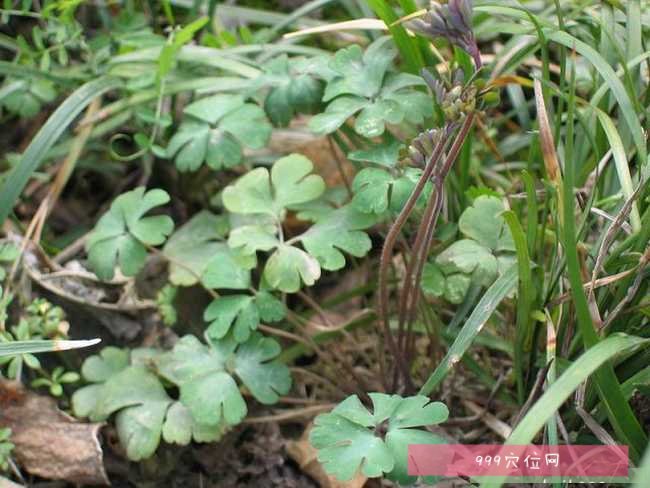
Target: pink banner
x=573 y=461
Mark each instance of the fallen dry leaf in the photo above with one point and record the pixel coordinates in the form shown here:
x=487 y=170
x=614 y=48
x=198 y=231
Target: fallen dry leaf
x=304 y=454
x=49 y=443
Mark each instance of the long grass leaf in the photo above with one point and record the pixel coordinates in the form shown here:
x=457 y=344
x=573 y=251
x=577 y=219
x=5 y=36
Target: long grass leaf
x=524 y=326
x=565 y=385
x=47 y=137
x=480 y=315
x=621 y=164
x=619 y=413
x=642 y=474
x=36 y=346
x=618 y=90
x=406 y=45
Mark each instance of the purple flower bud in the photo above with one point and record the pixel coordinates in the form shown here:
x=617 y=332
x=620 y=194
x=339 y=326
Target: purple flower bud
x=437 y=87
x=422 y=146
x=452 y=21
x=460 y=14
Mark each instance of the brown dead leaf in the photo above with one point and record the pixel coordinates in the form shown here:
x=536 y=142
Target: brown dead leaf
x=49 y=443
x=302 y=452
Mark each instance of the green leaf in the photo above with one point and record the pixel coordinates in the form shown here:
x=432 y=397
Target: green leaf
x=293 y=88
x=371 y=121
x=27 y=96
x=209 y=392
x=433 y=281
x=289 y=183
x=121 y=233
x=212 y=109
x=140 y=427
x=252 y=238
x=341 y=229
x=270 y=308
x=359 y=73
x=481 y=258
x=264 y=378
x=414 y=411
x=376 y=190
x=128 y=387
x=456 y=286
x=484 y=223
x=278 y=107
x=415 y=106
x=165 y=303
x=138 y=397
x=347 y=441
x=469 y=257
x=361 y=82
x=204 y=375
x=109 y=362
x=228 y=269
x=386 y=154
x=180 y=427
x=192 y=246
x=241 y=314
x=215 y=130
x=288 y=266
x=237 y=309
x=336 y=114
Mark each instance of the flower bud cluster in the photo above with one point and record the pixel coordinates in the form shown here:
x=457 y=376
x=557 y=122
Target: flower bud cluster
x=452 y=21
x=422 y=146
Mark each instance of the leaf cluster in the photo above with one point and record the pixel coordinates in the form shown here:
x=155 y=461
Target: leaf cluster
x=362 y=83
x=351 y=438
x=134 y=386
x=485 y=252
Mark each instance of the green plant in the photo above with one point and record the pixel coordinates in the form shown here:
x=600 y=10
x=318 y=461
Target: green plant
x=360 y=82
x=350 y=438
x=215 y=130
x=130 y=385
x=57 y=378
x=486 y=252
x=25 y=98
x=6 y=447
x=122 y=234
x=43 y=328
x=165 y=302
x=293 y=87
x=269 y=196
x=481 y=222
x=8 y=254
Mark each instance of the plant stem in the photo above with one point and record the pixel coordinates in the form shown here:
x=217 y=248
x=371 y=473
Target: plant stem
x=387 y=250
x=424 y=237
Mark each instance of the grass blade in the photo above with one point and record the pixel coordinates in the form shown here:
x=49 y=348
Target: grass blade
x=558 y=393
x=406 y=45
x=36 y=346
x=621 y=164
x=642 y=474
x=47 y=136
x=619 y=413
x=482 y=312
x=618 y=90
x=526 y=293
